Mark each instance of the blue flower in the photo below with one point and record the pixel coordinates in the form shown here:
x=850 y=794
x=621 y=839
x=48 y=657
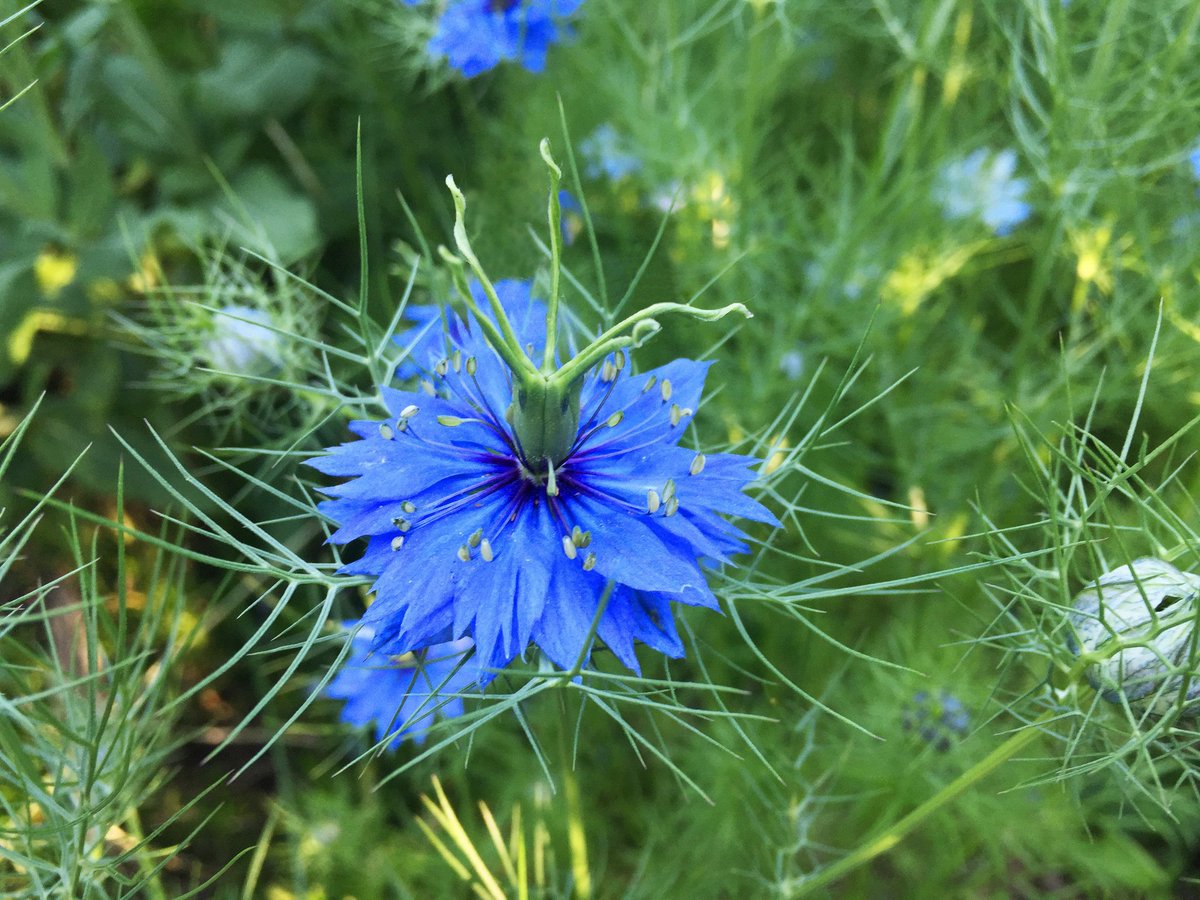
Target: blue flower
x=1194 y=161
x=425 y=336
x=937 y=719
x=572 y=217
x=242 y=342
x=470 y=533
x=605 y=155
x=477 y=35
x=401 y=696
x=981 y=186
x=422 y=337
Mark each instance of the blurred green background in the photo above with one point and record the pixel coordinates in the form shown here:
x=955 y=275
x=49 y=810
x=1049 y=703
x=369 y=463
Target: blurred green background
x=171 y=151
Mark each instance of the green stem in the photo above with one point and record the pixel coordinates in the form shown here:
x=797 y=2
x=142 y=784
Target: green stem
x=897 y=832
x=515 y=357
x=555 y=216
x=613 y=339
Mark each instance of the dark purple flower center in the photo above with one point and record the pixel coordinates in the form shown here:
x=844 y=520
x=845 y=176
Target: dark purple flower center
x=499 y=6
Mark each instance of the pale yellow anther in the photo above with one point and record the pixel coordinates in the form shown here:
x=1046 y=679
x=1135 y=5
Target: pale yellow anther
x=386 y=432
x=411 y=410
x=665 y=388
x=652 y=501
x=589 y=562
x=697 y=465
x=464 y=553
x=650 y=382
x=398 y=542
x=408 y=506
x=485 y=550
x=568 y=546
x=475 y=537
x=671 y=507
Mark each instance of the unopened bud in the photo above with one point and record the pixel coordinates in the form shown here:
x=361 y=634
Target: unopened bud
x=1140 y=620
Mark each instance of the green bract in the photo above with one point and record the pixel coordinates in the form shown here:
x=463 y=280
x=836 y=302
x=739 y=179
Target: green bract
x=1135 y=628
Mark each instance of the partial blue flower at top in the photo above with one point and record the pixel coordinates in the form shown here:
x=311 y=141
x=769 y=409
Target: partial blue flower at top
x=477 y=35
x=401 y=696
x=242 y=341
x=470 y=537
x=982 y=186
x=1194 y=161
x=604 y=155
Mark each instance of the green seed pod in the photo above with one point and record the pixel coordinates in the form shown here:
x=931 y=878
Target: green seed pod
x=1141 y=620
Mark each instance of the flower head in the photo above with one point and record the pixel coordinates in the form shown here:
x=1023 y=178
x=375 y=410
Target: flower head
x=477 y=35
x=1139 y=621
x=605 y=155
x=981 y=186
x=509 y=508
x=938 y=718
x=242 y=341
x=401 y=696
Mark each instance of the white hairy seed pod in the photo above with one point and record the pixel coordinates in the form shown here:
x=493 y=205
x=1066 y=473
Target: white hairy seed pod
x=1140 y=620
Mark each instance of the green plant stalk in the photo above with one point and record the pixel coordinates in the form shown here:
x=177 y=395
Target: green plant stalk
x=900 y=830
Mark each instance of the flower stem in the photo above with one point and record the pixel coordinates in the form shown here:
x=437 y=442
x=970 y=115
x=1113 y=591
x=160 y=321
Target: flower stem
x=555 y=216
x=901 y=829
x=614 y=339
x=502 y=336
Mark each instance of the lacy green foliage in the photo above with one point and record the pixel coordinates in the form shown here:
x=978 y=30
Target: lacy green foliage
x=86 y=692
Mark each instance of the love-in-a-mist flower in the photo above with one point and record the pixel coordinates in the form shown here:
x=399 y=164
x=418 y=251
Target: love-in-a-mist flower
x=242 y=343
x=520 y=501
x=605 y=155
x=939 y=718
x=401 y=695
x=478 y=35
x=1137 y=624
x=983 y=186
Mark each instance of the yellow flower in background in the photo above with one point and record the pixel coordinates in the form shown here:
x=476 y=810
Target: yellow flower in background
x=54 y=269
x=149 y=274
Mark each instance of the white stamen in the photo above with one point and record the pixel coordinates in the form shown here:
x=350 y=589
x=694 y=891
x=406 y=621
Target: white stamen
x=666 y=389
x=589 y=562
x=398 y=542
x=464 y=554
x=485 y=550
x=411 y=410
x=568 y=546
x=650 y=382
x=472 y=365
x=615 y=419
x=408 y=506
x=475 y=537
x=652 y=501
x=697 y=465
x=442 y=367
x=672 y=506
x=385 y=431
